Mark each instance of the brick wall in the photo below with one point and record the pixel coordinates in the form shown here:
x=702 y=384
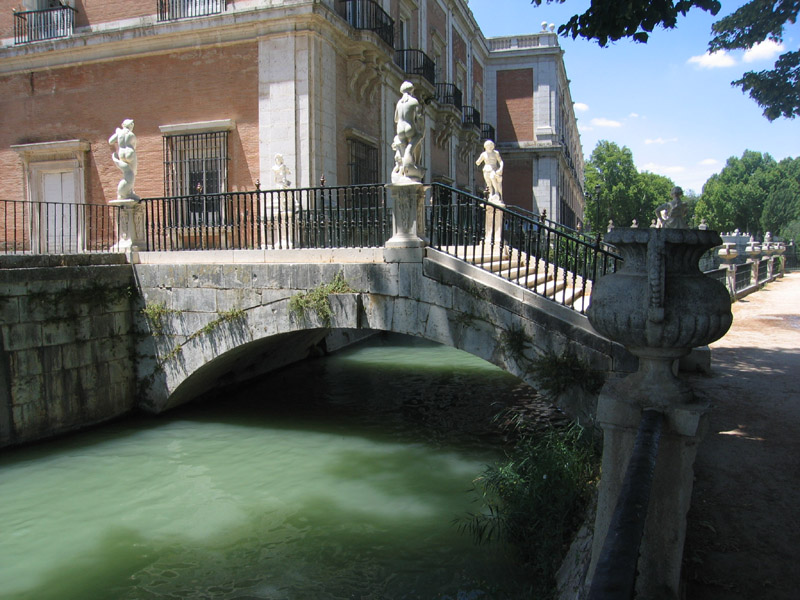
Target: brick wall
x=518 y=182
x=88 y=102
x=515 y=105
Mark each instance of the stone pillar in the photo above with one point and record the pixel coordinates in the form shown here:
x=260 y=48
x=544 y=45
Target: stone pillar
x=131 y=226
x=408 y=201
x=619 y=412
x=494 y=227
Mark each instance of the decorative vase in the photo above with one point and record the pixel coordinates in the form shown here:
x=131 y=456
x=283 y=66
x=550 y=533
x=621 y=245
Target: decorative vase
x=659 y=305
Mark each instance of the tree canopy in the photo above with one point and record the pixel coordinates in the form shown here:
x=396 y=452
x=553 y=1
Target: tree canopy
x=777 y=90
x=624 y=193
x=754 y=194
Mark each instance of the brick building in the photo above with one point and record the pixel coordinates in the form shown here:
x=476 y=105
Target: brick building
x=217 y=88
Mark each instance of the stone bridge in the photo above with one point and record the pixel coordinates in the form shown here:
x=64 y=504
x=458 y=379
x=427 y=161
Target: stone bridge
x=220 y=317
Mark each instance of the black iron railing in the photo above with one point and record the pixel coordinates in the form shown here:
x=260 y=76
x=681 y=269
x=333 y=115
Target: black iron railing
x=763 y=270
x=57 y=228
x=324 y=217
x=448 y=93
x=172 y=10
x=487 y=132
x=46 y=24
x=471 y=117
x=368 y=15
x=615 y=575
x=744 y=276
x=542 y=256
x=416 y=62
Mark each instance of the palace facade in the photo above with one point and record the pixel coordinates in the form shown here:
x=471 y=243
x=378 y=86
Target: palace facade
x=218 y=88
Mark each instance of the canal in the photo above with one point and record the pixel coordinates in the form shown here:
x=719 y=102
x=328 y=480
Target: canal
x=337 y=478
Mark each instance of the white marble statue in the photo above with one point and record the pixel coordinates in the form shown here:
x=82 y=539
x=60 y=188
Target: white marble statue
x=410 y=119
x=125 y=159
x=281 y=172
x=672 y=214
x=492 y=171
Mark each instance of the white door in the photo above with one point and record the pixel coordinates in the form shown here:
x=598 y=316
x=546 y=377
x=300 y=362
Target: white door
x=59 y=220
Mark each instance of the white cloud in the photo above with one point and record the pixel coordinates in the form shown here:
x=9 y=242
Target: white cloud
x=660 y=141
x=580 y=106
x=605 y=123
x=763 y=51
x=708 y=162
x=634 y=115
x=716 y=60
x=664 y=169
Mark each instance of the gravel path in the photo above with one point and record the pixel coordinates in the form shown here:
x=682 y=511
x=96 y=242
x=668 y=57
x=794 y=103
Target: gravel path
x=744 y=525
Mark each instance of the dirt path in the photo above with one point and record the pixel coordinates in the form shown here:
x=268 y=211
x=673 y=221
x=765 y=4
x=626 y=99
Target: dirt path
x=744 y=525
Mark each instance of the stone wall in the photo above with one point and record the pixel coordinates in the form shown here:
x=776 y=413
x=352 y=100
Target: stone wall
x=66 y=345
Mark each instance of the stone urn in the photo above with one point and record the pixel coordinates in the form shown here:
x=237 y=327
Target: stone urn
x=728 y=253
x=659 y=305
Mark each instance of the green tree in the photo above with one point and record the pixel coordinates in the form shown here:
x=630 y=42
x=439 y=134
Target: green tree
x=777 y=90
x=625 y=194
x=753 y=193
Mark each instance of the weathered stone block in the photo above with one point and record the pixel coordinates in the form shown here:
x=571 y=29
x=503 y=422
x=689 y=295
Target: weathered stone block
x=27 y=362
x=195 y=300
x=22 y=335
x=9 y=310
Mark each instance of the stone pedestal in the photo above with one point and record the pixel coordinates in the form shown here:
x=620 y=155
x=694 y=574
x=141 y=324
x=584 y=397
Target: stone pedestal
x=408 y=201
x=660 y=306
x=131 y=226
x=494 y=224
x=619 y=412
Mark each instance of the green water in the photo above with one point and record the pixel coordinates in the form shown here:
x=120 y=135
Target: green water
x=337 y=478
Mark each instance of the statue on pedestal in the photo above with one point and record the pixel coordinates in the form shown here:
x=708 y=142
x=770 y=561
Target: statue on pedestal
x=492 y=171
x=672 y=214
x=125 y=159
x=410 y=119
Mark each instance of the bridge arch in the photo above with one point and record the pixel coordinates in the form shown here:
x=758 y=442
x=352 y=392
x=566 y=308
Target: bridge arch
x=224 y=323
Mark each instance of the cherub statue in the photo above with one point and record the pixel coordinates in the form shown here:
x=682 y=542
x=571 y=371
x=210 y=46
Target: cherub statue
x=492 y=171
x=281 y=172
x=125 y=159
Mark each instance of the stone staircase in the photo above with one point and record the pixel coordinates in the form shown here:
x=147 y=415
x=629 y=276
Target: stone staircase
x=535 y=274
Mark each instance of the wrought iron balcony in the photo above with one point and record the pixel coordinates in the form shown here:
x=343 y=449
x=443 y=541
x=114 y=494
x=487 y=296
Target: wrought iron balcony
x=172 y=10
x=368 y=15
x=448 y=93
x=416 y=62
x=46 y=24
x=487 y=132
x=471 y=117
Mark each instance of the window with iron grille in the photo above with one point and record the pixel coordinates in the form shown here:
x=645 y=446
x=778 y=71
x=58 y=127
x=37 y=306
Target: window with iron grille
x=196 y=165
x=363 y=162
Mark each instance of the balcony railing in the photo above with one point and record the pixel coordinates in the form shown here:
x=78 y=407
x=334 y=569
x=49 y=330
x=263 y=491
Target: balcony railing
x=172 y=10
x=471 y=117
x=487 y=132
x=448 y=93
x=416 y=62
x=57 y=228
x=47 y=24
x=368 y=15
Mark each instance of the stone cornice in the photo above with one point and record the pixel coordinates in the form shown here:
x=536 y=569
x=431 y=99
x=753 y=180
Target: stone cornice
x=141 y=37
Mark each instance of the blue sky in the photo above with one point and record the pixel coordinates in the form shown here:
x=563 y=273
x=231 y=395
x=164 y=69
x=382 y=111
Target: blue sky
x=666 y=100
